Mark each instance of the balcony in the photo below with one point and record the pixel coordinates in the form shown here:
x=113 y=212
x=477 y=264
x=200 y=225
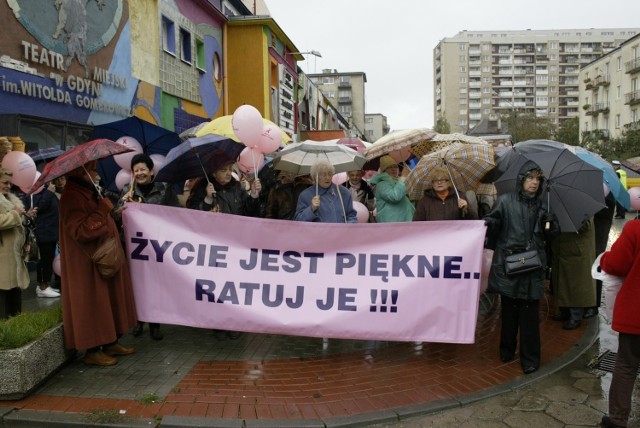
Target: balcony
x=597 y=134
x=632 y=66
x=589 y=110
x=345 y=100
x=588 y=83
x=602 y=80
x=632 y=98
x=344 y=84
x=601 y=107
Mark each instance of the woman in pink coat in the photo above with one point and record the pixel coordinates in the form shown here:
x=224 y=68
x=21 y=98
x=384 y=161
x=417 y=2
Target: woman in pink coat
x=623 y=260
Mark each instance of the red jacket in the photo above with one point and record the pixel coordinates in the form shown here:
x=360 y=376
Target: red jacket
x=623 y=260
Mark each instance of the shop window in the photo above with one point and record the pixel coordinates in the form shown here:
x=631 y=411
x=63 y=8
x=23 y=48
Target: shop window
x=200 y=55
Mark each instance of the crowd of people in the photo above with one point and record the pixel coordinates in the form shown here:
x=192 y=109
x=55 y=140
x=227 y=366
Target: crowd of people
x=97 y=311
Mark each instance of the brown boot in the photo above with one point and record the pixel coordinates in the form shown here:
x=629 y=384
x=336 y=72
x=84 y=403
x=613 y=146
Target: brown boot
x=99 y=358
x=118 y=349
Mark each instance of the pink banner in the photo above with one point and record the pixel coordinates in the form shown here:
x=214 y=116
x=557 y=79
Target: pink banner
x=386 y=281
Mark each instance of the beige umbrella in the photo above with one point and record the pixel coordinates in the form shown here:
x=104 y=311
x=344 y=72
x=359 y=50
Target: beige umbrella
x=398 y=142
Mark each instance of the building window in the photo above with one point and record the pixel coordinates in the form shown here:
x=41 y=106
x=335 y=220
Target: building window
x=486 y=90
x=462 y=80
x=200 y=55
x=462 y=47
x=486 y=69
x=485 y=58
x=617 y=121
x=463 y=69
x=486 y=101
x=168 y=35
x=462 y=90
x=328 y=80
x=619 y=63
x=185 y=45
x=462 y=58
x=486 y=79
x=329 y=94
x=618 y=92
x=462 y=101
x=345 y=79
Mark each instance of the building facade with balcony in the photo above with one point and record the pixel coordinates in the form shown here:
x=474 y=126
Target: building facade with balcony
x=478 y=74
x=610 y=93
x=375 y=126
x=347 y=91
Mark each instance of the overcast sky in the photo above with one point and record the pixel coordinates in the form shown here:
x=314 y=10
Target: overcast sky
x=392 y=41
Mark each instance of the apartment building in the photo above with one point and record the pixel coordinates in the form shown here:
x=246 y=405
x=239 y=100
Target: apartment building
x=484 y=74
x=375 y=126
x=610 y=93
x=346 y=90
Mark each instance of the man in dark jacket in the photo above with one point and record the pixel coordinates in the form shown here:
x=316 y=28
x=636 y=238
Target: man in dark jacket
x=519 y=221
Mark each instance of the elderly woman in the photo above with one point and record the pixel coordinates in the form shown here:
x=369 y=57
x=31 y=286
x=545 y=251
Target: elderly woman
x=147 y=191
x=14 y=276
x=325 y=202
x=441 y=201
x=392 y=202
x=518 y=222
x=96 y=310
x=222 y=193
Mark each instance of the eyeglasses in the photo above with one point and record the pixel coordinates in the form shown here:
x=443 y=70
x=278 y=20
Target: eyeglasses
x=440 y=180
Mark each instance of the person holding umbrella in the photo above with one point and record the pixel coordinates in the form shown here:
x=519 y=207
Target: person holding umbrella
x=96 y=310
x=220 y=192
x=520 y=221
x=325 y=202
x=392 y=202
x=441 y=202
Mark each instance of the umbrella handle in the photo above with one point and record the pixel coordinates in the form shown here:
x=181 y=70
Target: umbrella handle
x=452 y=182
x=206 y=176
x=94 y=184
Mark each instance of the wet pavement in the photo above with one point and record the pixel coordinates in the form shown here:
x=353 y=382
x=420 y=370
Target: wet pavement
x=192 y=378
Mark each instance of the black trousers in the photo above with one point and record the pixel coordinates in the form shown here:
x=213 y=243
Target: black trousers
x=520 y=316
x=10 y=302
x=45 y=264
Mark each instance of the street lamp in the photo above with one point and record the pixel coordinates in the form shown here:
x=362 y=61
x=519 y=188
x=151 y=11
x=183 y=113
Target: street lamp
x=311 y=52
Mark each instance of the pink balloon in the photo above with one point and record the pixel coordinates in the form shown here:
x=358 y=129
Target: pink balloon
x=634 y=193
x=123 y=177
x=363 y=212
x=158 y=161
x=247 y=124
x=22 y=167
x=400 y=155
x=606 y=189
x=250 y=160
x=56 y=265
x=340 y=178
x=270 y=139
x=38 y=190
x=124 y=159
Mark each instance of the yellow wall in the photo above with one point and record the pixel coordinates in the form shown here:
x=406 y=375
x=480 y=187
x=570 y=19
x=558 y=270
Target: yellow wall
x=247 y=68
x=145 y=60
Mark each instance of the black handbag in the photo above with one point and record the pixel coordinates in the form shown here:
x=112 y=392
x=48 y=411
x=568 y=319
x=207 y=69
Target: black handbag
x=522 y=262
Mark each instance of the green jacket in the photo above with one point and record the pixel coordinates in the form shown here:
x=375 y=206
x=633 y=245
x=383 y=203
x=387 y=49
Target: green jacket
x=392 y=202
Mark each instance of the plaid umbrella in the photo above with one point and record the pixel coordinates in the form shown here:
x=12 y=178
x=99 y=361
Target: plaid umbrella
x=466 y=163
x=398 y=141
x=198 y=156
x=78 y=156
x=299 y=157
x=440 y=141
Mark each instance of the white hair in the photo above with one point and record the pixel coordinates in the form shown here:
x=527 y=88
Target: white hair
x=321 y=165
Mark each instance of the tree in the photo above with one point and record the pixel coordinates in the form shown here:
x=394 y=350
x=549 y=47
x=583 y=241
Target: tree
x=527 y=126
x=569 y=132
x=442 y=125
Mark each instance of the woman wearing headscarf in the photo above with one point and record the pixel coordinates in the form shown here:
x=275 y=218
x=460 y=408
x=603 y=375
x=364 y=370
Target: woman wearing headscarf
x=392 y=202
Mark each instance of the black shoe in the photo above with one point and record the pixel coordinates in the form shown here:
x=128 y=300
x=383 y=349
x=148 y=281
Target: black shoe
x=571 y=324
x=137 y=330
x=154 y=332
x=606 y=422
x=560 y=317
x=590 y=312
x=529 y=369
x=506 y=358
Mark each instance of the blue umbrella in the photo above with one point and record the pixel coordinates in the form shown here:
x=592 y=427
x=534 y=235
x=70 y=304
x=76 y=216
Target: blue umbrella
x=609 y=176
x=45 y=154
x=154 y=139
x=198 y=156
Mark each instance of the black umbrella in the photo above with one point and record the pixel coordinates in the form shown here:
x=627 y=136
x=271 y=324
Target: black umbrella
x=154 y=139
x=45 y=154
x=573 y=188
